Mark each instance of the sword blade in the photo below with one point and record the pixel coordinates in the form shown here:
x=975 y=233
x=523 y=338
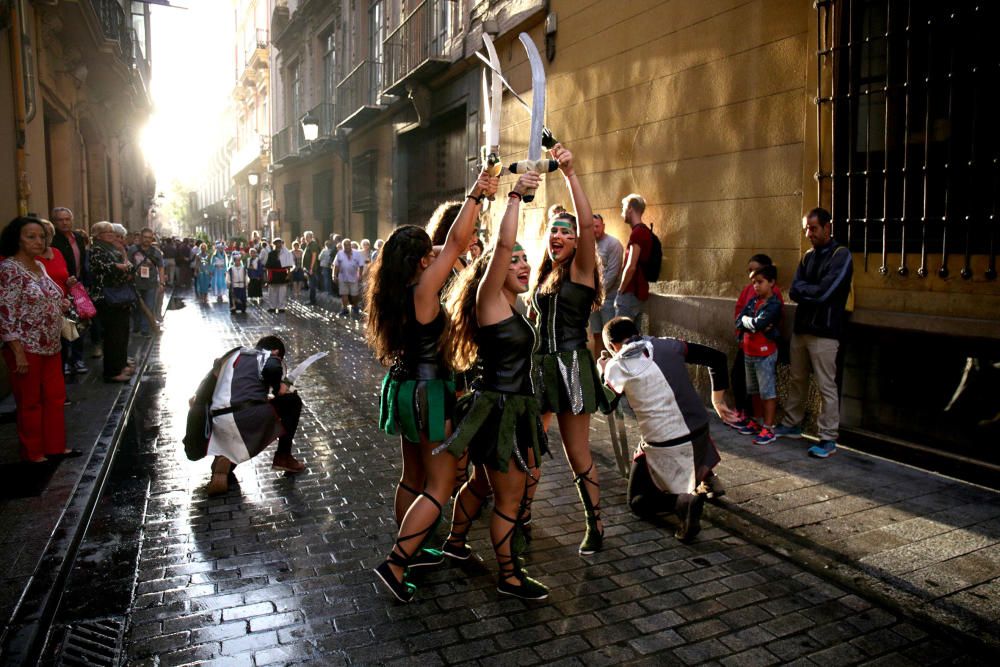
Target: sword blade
x=486 y=115
x=503 y=81
x=496 y=92
x=537 y=96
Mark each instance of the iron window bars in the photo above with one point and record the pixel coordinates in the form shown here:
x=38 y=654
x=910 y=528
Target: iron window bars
x=915 y=150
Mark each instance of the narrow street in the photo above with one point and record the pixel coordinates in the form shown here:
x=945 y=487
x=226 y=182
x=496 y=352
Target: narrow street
x=279 y=570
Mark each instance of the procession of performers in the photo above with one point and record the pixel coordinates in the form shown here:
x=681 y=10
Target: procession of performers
x=527 y=368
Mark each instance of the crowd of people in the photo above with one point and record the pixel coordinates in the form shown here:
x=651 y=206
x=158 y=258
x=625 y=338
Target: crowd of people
x=482 y=353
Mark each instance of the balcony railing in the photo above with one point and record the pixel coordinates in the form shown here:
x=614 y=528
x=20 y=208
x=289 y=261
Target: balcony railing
x=114 y=25
x=357 y=95
x=286 y=143
x=420 y=46
x=255 y=51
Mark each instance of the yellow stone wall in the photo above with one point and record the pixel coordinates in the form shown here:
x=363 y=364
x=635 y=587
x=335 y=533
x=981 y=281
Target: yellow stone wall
x=705 y=108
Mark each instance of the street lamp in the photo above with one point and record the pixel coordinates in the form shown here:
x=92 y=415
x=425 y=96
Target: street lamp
x=310 y=127
x=253 y=178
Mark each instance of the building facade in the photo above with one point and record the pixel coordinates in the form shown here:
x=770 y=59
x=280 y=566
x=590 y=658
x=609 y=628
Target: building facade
x=77 y=74
x=733 y=119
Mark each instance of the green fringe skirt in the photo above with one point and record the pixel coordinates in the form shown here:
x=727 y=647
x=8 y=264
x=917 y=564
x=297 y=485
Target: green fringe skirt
x=496 y=427
x=569 y=382
x=412 y=407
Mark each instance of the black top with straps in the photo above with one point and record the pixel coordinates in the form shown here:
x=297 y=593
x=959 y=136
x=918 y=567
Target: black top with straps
x=505 y=351
x=563 y=318
x=421 y=358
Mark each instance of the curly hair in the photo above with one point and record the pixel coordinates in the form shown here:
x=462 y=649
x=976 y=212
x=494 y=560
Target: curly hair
x=459 y=347
x=391 y=274
x=10 y=239
x=549 y=277
x=441 y=221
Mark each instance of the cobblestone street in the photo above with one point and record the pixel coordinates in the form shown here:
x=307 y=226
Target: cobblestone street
x=279 y=570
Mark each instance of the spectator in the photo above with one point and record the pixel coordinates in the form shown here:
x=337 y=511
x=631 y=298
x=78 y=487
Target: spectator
x=634 y=289
x=347 y=272
x=758 y=331
x=298 y=273
x=475 y=250
x=279 y=264
x=821 y=288
x=202 y=270
x=219 y=265
x=610 y=251
x=169 y=249
x=745 y=408
x=376 y=248
x=31 y=308
x=676 y=454
x=237 y=275
x=325 y=271
x=149 y=279
x=255 y=276
x=311 y=265
x=113 y=294
x=55 y=267
x=184 y=252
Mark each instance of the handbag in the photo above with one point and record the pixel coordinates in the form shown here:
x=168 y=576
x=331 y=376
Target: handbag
x=81 y=301
x=119 y=295
x=69 y=332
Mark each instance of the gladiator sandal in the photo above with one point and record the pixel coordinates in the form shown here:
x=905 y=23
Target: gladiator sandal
x=410 y=490
x=509 y=567
x=455 y=546
x=401 y=588
x=593 y=539
x=221 y=470
x=531 y=482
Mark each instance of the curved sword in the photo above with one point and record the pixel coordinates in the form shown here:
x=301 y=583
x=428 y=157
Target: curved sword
x=492 y=104
x=537 y=114
x=548 y=141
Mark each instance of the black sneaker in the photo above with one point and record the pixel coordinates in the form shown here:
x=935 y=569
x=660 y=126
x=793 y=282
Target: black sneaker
x=689 y=507
x=401 y=590
x=529 y=589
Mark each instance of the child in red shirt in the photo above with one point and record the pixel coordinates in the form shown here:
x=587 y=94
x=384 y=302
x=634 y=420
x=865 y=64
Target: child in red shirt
x=757 y=325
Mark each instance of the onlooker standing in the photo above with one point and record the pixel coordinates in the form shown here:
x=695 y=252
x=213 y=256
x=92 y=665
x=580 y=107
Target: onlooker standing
x=31 y=307
x=169 y=249
x=347 y=269
x=279 y=265
x=73 y=247
x=610 y=250
x=149 y=278
x=325 y=264
x=821 y=288
x=634 y=289
x=758 y=325
x=55 y=267
x=110 y=293
x=184 y=251
x=255 y=276
x=310 y=263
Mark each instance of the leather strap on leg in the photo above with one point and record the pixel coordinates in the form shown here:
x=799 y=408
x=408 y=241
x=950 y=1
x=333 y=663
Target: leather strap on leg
x=403 y=558
x=592 y=510
x=507 y=565
x=460 y=527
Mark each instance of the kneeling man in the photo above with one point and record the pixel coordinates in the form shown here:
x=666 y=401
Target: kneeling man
x=676 y=454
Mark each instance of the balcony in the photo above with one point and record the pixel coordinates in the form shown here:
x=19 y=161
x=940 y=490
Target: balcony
x=357 y=95
x=255 y=51
x=421 y=46
x=326 y=114
x=285 y=145
x=114 y=26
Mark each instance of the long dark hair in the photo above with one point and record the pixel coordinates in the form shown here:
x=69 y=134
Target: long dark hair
x=10 y=238
x=549 y=277
x=459 y=346
x=441 y=221
x=391 y=274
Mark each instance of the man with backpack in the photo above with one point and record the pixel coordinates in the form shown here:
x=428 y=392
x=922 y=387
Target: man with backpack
x=642 y=260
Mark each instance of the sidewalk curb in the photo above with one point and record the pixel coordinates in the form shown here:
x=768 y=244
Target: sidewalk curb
x=31 y=620
x=894 y=594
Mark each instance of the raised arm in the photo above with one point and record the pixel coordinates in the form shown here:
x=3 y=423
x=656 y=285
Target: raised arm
x=586 y=245
x=436 y=275
x=491 y=306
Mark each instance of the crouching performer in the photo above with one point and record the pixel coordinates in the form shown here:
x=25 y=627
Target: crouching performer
x=252 y=405
x=676 y=454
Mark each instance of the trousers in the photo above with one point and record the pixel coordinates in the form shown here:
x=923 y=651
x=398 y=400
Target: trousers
x=277 y=296
x=818 y=354
x=39 y=395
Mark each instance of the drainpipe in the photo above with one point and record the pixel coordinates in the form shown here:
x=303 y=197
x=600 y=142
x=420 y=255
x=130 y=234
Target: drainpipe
x=21 y=113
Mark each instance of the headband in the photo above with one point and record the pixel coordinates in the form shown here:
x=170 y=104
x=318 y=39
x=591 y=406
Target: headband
x=563 y=222
x=518 y=247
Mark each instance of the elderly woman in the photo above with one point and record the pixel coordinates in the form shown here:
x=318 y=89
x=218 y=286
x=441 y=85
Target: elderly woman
x=112 y=292
x=31 y=307
x=55 y=265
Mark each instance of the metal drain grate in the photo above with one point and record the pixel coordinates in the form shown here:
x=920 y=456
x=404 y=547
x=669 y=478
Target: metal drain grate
x=94 y=643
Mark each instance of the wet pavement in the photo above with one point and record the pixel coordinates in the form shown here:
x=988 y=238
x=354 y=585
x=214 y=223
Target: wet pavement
x=279 y=570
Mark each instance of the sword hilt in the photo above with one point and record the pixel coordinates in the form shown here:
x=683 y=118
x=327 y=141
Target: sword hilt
x=491 y=164
x=548 y=140
x=542 y=166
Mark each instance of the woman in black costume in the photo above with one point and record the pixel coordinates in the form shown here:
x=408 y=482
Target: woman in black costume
x=501 y=428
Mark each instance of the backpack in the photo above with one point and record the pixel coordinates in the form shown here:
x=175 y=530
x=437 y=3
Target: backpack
x=198 y=428
x=651 y=267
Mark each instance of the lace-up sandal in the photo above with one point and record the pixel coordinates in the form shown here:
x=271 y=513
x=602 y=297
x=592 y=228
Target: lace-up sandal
x=461 y=476
x=401 y=588
x=509 y=567
x=593 y=539
x=455 y=546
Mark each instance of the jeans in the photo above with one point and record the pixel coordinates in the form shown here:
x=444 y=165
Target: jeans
x=326 y=276
x=599 y=318
x=139 y=320
x=761 y=375
x=313 y=285
x=628 y=305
